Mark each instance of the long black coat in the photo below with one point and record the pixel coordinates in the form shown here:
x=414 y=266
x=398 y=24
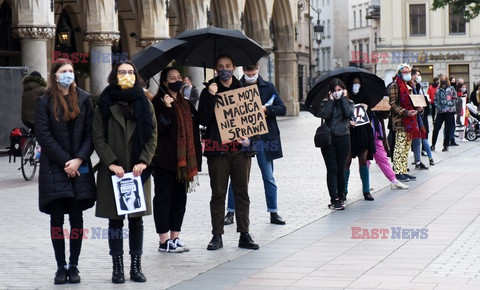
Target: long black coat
x=271 y=142
x=59 y=146
x=167 y=127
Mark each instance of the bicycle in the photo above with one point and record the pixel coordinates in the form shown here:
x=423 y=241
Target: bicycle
x=29 y=160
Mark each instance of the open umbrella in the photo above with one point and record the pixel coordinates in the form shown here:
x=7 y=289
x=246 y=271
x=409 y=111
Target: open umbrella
x=372 y=85
x=204 y=45
x=156 y=57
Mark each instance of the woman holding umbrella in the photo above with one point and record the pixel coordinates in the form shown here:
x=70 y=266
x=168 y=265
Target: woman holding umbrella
x=362 y=142
x=337 y=110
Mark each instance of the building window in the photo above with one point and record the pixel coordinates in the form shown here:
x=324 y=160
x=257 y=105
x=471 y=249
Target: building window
x=366 y=20
x=460 y=71
x=457 y=22
x=328 y=59
x=324 y=60
x=368 y=53
x=328 y=28
x=354 y=19
x=360 y=16
x=418 y=25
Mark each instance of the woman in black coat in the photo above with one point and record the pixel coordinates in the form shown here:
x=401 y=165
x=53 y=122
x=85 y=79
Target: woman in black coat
x=66 y=185
x=177 y=159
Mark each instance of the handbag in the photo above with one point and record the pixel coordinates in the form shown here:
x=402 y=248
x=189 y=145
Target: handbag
x=323 y=136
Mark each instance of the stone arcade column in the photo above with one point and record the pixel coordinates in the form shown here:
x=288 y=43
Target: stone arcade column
x=154 y=82
x=34 y=47
x=100 y=59
x=286 y=80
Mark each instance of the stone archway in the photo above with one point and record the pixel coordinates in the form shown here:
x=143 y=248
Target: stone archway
x=285 y=49
x=227 y=14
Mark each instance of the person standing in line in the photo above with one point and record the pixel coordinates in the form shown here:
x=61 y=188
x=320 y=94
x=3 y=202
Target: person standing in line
x=125 y=138
x=361 y=140
x=461 y=120
x=432 y=90
x=66 y=185
x=270 y=144
x=337 y=111
x=418 y=143
x=404 y=121
x=190 y=92
x=445 y=103
x=177 y=160
x=232 y=162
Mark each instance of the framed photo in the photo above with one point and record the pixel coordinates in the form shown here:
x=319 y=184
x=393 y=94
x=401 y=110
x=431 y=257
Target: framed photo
x=361 y=116
x=128 y=191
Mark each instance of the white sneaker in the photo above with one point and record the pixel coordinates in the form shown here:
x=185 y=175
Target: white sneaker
x=180 y=245
x=398 y=185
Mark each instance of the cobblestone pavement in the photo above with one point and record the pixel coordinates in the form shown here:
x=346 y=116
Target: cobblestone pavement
x=27 y=259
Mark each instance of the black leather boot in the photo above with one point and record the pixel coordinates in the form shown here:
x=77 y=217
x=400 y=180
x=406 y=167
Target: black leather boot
x=247 y=242
x=118 y=275
x=215 y=243
x=368 y=196
x=60 y=276
x=136 y=269
x=276 y=219
x=72 y=273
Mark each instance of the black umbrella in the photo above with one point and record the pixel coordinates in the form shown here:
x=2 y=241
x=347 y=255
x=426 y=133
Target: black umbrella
x=204 y=45
x=156 y=57
x=373 y=87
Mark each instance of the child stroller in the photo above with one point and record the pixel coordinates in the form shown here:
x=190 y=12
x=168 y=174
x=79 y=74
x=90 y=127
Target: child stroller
x=473 y=128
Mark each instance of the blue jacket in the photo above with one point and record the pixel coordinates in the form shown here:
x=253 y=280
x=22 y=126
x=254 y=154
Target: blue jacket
x=270 y=142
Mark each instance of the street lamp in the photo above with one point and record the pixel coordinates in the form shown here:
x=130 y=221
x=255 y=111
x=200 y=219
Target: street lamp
x=63 y=30
x=318 y=32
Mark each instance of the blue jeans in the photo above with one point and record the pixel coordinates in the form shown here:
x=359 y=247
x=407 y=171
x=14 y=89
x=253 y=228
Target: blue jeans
x=417 y=148
x=266 y=167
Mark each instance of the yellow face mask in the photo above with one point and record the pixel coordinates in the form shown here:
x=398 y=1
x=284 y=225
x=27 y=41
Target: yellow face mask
x=126 y=82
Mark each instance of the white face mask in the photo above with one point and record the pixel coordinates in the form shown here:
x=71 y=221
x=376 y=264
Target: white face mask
x=463 y=90
x=356 y=88
x=419 y=79
x=337 y=95
x=251 y=80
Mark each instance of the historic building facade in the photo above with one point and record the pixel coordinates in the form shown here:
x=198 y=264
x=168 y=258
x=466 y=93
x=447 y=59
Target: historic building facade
x=36 y=31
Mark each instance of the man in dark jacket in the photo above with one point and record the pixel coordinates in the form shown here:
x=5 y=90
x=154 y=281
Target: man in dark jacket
x=225 y=161
x=34 y=86
x=190 y=92
x=268 y=147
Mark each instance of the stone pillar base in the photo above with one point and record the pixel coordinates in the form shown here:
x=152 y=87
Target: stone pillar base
x=293 y=109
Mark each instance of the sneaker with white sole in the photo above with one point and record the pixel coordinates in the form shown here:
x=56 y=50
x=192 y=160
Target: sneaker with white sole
x=398 y=185
x=180 y=244
x=169 y=247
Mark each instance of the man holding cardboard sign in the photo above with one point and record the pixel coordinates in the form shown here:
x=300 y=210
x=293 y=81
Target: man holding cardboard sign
x=225 y=157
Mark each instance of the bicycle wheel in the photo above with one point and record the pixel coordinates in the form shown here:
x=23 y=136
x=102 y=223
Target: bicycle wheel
x=29 y=164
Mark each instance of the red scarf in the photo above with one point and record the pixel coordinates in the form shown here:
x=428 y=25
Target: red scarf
x=186 y=154
x=410 y=123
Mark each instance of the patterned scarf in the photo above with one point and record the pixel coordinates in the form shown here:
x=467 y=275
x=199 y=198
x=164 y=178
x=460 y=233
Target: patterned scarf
x=186 y=154
x=412 y=128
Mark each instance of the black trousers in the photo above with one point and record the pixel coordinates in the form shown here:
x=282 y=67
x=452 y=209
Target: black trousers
x=58 y=208
x=236 y=167
x=335 y=157
x=441 y=118
x=116 y=235
x=169 y=202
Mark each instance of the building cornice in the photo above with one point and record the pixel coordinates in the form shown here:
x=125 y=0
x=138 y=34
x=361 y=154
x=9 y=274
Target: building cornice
x=102 y=38
x=34 y=32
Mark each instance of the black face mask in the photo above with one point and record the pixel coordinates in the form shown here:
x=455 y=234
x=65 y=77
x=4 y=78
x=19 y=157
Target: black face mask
x=176 y=86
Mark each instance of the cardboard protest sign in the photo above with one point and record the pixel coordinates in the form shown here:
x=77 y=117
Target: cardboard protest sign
x=239 y=113
x=383 y=105
x=361 y=116
x=418 y=100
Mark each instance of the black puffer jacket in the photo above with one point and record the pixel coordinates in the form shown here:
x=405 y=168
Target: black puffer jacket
x=59 y=146
x=337 y=115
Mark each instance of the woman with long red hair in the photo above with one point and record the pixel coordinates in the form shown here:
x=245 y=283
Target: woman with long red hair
x=66 y=185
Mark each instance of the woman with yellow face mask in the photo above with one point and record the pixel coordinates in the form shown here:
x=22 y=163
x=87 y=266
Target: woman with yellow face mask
x=125 y=138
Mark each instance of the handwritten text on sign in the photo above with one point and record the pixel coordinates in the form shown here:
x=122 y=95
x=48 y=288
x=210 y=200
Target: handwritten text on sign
x=239 y=113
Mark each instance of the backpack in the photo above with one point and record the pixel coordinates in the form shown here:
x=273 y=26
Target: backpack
x=18 y=136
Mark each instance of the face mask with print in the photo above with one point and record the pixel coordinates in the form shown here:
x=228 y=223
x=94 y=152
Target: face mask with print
x=406 y=77
x=225 y=74
x=356 y=88
x=337 y=95
x=65 y=79
x=176 y=86
x=126 y=82
x=251 y=80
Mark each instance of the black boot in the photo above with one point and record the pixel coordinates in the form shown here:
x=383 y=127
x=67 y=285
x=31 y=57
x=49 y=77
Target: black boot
x=247 y=242
x=276 y=219
x=215 y=243
x=72 y=274
x=136 y=269
x=60 y=276
x=118 y=275
x=368 y=196
x=228 y=220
